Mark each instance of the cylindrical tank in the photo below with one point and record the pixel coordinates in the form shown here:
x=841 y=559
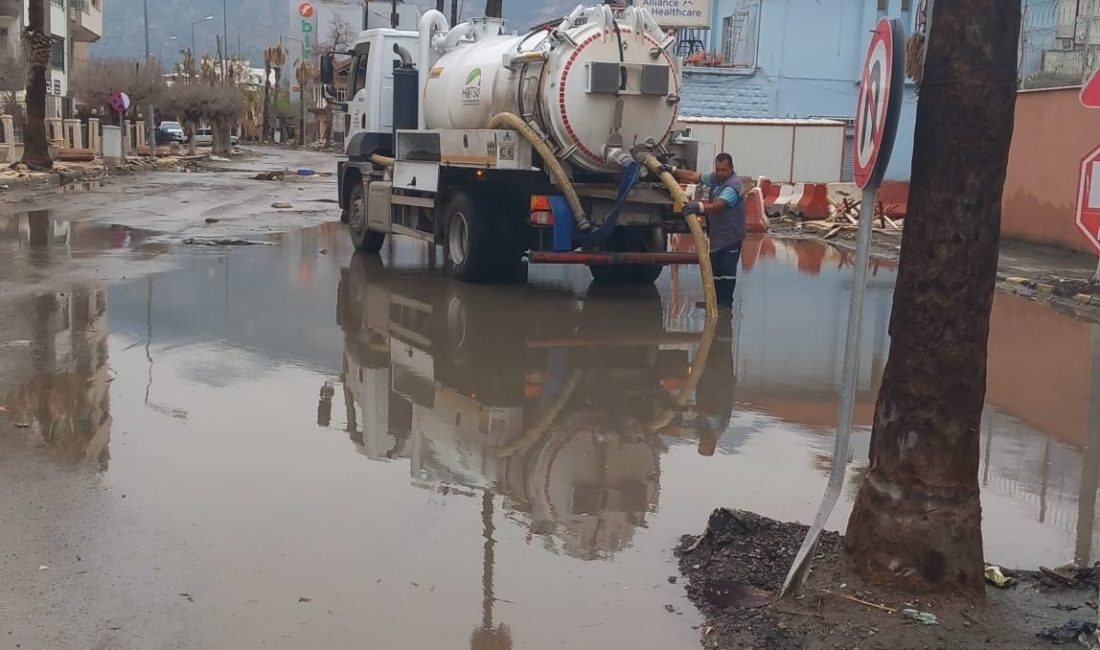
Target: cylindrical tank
x=568 y=80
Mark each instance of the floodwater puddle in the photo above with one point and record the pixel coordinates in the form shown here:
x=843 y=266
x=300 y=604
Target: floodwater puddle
x=449 y=465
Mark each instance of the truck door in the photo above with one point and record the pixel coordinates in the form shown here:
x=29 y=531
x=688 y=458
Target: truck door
x=358 y=107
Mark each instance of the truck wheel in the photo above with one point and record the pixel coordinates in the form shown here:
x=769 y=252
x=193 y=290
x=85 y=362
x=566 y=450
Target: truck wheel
x=634 y=240
x=470 y=243
x=364 y=239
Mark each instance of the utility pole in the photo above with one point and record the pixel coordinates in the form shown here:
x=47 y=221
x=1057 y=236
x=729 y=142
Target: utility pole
x=440 y=5
x=150 y=135
x=395 y=19
x=494 y=9
x=916 y=522
x=225 y=41
x=454 y=12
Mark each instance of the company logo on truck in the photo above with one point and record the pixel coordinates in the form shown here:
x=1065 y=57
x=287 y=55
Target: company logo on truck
x=471 y=92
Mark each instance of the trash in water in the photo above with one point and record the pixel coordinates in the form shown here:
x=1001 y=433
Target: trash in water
x=305 y=171
x=925 y=618
x=995 y=576
x=282 y=206
x=270 y=176
x=191 y=241
x=1068 y=632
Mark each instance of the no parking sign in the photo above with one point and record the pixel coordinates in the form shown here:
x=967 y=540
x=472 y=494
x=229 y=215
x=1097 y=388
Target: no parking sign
x=878 y=106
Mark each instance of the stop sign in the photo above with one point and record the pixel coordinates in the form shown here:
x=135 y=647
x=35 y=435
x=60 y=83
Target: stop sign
x=1088 y=198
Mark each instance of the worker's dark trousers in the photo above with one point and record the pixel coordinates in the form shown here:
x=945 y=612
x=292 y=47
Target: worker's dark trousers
x=724 y=263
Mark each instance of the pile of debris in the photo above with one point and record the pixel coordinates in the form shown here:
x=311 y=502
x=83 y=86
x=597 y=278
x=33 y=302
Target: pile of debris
x=844 y=217
x=321 y=145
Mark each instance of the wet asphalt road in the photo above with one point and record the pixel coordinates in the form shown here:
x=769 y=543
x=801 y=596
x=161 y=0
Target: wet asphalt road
x=289 y=446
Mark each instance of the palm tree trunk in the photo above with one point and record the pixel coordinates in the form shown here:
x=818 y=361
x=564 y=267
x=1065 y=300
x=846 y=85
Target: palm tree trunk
x=36 y=151
x=917 y=521
x=265 y=127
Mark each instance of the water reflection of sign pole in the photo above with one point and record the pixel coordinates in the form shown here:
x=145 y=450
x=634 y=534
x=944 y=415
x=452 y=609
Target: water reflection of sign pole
x=878 y=107
x=1090 y=469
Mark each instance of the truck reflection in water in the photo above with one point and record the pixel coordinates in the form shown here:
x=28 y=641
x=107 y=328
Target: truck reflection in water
x=556 y=403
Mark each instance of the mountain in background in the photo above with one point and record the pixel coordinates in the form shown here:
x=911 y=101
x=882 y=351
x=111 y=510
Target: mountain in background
x=253 y=24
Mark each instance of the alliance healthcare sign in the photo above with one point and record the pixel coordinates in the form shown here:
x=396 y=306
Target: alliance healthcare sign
x=689 y=14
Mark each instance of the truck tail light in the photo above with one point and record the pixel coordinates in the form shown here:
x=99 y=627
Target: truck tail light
x=541 y=214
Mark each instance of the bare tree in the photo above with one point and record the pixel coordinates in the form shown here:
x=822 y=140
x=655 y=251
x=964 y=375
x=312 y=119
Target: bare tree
x=187 y=102
x=338 y=39
x=100 y=79
x=225 y=107
x=916 y=524
x=36 y=44
x=339 y=36
x=219 y=106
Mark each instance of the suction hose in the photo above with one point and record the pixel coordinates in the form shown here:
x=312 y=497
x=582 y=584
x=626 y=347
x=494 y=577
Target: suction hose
x=553 y=165
x=382 y=161
x=702 y=247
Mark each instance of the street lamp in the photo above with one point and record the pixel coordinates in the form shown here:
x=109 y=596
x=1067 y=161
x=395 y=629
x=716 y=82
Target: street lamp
x=160 y=55
x=193 y=23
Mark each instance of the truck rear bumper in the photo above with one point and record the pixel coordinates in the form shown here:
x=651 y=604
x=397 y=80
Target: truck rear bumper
x=581 y=257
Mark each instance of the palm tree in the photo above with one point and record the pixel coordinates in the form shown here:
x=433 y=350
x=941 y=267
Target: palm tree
x=36 y=153
x=274 y=59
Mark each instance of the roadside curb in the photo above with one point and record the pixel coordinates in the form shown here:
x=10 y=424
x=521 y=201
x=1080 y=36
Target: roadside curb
x=93 y=172
x=1014 y=284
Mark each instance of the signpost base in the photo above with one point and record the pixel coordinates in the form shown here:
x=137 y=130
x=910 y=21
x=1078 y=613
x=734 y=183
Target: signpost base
x=800 y=569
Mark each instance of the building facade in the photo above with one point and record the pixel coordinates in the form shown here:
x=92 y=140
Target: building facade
x=793 y=59
x=73 y=25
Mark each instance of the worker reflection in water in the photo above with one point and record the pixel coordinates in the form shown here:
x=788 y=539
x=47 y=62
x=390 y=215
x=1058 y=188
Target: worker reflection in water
x=714 y=399
x=726 y=212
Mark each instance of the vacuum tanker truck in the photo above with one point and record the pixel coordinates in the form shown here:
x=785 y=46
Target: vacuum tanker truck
x=505 y=150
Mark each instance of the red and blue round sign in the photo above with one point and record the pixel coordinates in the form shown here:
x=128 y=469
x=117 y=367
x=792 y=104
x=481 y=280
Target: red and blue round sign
x=879 y=103
x=120 y=101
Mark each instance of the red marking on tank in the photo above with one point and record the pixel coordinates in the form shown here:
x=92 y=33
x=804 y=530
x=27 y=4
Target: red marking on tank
x=561 y=99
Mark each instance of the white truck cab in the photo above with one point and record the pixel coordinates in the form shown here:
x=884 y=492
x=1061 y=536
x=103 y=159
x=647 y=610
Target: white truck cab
x=369 y=115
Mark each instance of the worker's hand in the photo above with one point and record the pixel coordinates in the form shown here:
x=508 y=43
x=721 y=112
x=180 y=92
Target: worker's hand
x=691 y=208
x=671 y=169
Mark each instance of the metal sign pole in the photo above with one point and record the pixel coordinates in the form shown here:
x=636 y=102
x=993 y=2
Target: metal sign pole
x=886 y=57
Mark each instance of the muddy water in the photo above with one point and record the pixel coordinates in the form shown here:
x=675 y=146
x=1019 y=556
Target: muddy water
x=294 y=446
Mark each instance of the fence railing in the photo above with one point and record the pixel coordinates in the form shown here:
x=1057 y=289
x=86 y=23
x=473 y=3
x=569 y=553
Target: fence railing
x=72 y=139
x=1059 y=42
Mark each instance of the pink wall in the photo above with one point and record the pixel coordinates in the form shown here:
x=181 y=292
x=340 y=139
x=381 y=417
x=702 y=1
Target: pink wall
x=1053 y=132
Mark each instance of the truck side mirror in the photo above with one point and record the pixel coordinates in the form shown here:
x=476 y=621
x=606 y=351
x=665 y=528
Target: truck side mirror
x=328 y=74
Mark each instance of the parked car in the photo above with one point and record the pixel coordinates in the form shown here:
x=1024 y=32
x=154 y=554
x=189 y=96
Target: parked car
x=175 y=130
x=205 y=138
x=165 y=137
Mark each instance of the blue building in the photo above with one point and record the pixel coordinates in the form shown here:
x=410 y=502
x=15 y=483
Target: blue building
x=794 y=59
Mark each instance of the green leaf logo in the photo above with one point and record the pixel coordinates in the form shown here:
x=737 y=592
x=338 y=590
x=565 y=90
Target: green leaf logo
x=474 y=75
